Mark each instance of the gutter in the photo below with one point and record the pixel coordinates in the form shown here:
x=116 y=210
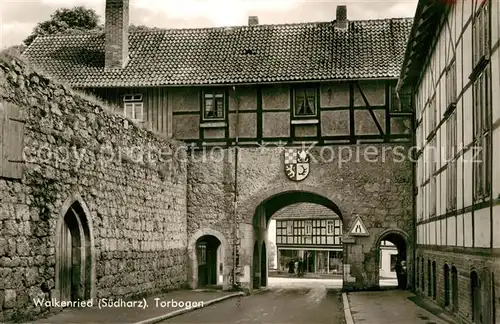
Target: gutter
x=409 y=45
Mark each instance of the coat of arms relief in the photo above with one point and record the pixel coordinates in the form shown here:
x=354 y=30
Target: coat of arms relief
x=297 y=164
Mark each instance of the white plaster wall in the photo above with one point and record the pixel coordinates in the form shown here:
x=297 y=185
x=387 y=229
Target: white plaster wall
x=496 y=227
x=385 y=258
x=460 y=230
x=271 y=237
x=451 y=238
x=482 y=228
x=468 y=230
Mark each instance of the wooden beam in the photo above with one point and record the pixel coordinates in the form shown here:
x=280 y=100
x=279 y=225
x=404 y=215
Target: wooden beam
x=369 y=109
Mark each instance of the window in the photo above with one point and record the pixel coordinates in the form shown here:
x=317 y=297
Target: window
x=289 y=228
x=429 y=282
x=308 y=227
x=432 y=183
x=475 y=290
x=394 y=261
x=434 y=280
x=454 y=288
x=451 y=85
x=482 y=136
x=305 y=102
x=330 y=227
x=213 y=105
x=451 y=176
x=133 y=107
x=432 y=115
x=202 y=253
x=446 y=285
x=481 y=40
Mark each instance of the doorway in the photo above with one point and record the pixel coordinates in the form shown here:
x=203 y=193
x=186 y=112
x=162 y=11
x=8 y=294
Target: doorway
x=74 y=262
x=206 y=254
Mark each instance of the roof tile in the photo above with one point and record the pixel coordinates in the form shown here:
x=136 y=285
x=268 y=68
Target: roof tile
x=257 y=54
x=304 y=210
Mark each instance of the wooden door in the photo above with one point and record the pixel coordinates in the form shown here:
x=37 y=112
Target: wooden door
x=201 y=251
x=211 y=265
x=66 y=259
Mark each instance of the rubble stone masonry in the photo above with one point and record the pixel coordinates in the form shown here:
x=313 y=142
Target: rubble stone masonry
x=376 y=189
x=75 y=149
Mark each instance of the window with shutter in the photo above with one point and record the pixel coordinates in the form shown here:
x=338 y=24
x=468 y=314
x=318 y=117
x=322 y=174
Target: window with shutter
x=12 y=141
x=482 y=135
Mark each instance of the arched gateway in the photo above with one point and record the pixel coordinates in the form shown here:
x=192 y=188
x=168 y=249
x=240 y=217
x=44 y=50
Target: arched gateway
x=360 y=268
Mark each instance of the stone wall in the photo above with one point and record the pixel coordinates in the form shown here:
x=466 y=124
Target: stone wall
x=75 y=150
x=375 y=186
x=487 y=268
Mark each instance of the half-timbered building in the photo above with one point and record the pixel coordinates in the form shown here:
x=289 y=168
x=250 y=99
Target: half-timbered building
x=311 y=233
x=452 y=65
x=331 y=84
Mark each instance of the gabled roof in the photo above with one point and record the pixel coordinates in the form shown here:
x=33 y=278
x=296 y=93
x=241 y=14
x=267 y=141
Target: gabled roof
x=304 y=211
x=245 y=54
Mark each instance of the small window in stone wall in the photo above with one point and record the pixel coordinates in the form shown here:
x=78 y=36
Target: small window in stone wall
x=133 y=107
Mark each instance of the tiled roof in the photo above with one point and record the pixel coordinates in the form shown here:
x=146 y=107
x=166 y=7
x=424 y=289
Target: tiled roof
x=304 y=210
x=245 y=54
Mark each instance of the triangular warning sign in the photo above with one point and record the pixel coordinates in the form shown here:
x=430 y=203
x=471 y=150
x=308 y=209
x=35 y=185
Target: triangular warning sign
x=358 y=228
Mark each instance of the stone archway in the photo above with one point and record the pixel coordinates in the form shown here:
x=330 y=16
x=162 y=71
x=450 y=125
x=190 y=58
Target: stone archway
x=75 y=254
x=256 y=267
x=256 y=228
x=263 y=265
x=223 y=258
x=399 y=239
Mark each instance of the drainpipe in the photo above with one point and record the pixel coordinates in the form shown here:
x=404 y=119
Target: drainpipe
x=235 y=202
x=414 y=192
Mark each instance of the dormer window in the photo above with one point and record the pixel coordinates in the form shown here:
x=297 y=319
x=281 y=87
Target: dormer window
x=133 y=107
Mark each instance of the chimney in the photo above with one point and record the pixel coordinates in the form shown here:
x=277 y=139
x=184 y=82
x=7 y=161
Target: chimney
x=341 y=20
x=253 y=21
x=116 y=29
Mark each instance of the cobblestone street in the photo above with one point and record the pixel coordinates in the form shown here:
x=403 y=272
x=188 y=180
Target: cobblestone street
x=276 y=305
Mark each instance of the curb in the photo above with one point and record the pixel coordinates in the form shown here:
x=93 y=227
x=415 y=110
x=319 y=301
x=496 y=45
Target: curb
x=260 y=290
x=347 y=309
x=184 y=310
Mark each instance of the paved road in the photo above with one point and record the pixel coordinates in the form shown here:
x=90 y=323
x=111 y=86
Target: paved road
x=280 y=282
x=276 y=305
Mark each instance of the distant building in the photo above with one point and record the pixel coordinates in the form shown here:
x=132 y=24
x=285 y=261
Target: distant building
x=310 y=232
x=388 y=259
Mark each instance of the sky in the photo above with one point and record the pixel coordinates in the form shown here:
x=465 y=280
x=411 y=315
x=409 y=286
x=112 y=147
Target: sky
x=19 y=17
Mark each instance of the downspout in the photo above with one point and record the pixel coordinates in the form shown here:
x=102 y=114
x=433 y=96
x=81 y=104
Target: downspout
x=235 y=202
x=414 y=189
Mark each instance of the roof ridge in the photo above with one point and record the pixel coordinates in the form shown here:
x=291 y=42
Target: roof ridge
x=154 y=30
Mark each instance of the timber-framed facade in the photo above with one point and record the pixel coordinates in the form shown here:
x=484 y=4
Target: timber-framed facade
x=457 y=183
x=263 y=86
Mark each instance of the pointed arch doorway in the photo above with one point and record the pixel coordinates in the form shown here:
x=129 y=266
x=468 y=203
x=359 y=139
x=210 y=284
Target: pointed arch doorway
x=74 y=255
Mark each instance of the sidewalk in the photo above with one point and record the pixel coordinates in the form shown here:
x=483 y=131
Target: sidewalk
x=152 y=313
x=387 y=307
